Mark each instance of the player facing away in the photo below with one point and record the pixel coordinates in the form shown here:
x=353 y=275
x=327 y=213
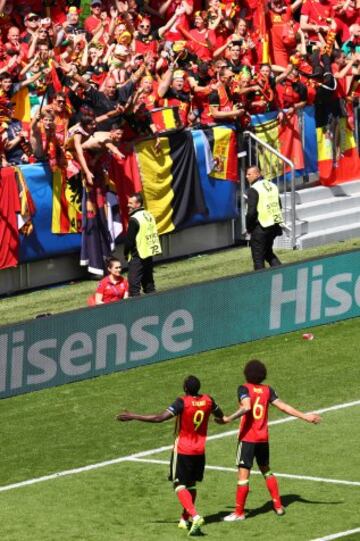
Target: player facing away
x=254 y=398
x=192 y=412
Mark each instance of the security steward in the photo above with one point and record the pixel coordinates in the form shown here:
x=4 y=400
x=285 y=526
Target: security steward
x=141 y=243
x=263 y=218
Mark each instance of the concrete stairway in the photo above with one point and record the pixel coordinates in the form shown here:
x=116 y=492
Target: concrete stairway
x=324 y=215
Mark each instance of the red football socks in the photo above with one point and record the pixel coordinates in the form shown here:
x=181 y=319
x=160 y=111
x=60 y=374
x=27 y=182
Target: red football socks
x=185 y=515
x=241 y=494
x=185 y=498
x=273 y=488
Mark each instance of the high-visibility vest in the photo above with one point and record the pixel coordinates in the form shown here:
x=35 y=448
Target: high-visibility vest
x=268 y=207
x=147 y=238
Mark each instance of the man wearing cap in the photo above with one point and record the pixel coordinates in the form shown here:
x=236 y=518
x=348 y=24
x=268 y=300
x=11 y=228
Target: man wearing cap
x=32 y=24
x=94 y=22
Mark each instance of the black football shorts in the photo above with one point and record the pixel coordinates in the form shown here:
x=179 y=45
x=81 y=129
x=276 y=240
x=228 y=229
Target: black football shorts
x=247 y=451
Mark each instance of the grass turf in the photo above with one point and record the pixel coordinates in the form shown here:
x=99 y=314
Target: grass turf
x=72 y=426
x=167 y=275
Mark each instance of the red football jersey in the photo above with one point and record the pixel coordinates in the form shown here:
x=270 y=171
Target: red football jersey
x=192 y=422
x=254 y=425
x=112 y=292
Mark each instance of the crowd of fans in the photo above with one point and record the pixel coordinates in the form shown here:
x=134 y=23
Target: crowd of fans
x=98 y=80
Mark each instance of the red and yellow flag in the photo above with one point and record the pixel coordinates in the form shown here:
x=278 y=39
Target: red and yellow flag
x=338 y=159
x=66 y=209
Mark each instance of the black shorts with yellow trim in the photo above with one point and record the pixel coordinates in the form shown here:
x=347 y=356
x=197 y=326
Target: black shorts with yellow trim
x=247 y=451
x=186 y=469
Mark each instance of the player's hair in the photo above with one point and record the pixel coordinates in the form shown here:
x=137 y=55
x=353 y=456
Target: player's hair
x=139 y=197
x=255 y=371
x=191 y=385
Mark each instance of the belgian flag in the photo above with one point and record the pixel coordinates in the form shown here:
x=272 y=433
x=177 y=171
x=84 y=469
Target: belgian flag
x=284 y=137
x=170 y=180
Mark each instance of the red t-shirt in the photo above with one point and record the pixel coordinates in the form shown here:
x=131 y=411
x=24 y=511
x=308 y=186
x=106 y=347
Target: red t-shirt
x=112 y=292
x=254 y=424
x=340 y=91
x=318 y=13
x=192 y=414
x=198 y=45
x=345 y=20
x=174 y=33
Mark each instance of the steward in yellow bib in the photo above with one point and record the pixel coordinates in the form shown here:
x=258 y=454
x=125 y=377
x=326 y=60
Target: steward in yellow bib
x=141 y=244
x=263 y=218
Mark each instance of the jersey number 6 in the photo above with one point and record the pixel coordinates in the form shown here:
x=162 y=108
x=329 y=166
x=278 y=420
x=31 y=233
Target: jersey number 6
x=258 y=409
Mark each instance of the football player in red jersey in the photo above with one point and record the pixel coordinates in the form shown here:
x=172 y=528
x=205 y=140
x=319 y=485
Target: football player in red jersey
x=192 y=412
x=254 y=398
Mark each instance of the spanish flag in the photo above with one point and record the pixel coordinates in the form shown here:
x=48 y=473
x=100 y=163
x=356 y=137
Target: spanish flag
x=338 y=159
x=66 y=208
x=283 y=137
x=170 y=180
x=223 y=145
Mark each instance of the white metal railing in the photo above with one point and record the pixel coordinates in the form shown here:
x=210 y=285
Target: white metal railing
x=282 y=169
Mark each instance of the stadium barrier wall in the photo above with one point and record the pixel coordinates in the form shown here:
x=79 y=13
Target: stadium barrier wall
x=95 y=341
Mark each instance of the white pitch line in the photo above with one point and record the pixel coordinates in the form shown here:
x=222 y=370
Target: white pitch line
x=285 y=475
x=337 y=535
x=142 y=454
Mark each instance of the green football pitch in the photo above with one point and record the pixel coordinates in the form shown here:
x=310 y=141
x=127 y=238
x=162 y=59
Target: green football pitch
x=68 y=470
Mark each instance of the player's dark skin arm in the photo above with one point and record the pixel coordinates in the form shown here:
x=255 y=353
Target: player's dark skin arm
x=155 y=418
x=245 y=406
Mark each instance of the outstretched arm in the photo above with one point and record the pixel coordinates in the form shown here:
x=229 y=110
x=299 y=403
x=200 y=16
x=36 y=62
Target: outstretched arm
x=155 y=418
x=286 y=408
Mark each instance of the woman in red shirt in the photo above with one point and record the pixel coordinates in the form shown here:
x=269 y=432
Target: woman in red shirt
x=113 y=287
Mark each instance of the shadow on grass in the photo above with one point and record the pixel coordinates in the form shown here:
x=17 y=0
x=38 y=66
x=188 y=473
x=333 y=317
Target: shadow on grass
x=175 y=523
x=287 y=500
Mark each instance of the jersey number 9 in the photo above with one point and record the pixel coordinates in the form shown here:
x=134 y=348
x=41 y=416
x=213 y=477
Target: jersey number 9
x=198 y=418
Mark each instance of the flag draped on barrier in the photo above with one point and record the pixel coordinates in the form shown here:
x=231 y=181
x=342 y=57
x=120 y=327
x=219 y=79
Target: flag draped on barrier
x=283 y=137
x=126 y=178
x=338 y=158
x=170 y=180
x=220 y=195
x=9 y=207
x=223 y=146
x=66 y=203
x=308 y=123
